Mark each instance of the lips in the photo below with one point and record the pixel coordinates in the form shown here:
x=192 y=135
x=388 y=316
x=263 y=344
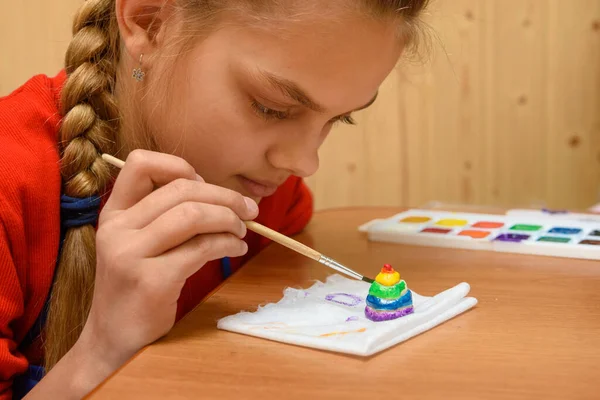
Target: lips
x=258 y=188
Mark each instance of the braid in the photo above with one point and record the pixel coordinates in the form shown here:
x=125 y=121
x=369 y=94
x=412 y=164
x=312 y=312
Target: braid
x=89 y=128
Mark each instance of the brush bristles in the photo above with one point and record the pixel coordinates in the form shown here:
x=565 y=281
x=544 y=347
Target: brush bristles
x=368 y=280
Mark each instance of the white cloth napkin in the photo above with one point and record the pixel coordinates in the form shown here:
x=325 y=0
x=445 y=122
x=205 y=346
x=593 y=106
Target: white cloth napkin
x=330 y=316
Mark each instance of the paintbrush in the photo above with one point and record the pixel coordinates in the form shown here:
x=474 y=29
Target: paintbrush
x=279 y=238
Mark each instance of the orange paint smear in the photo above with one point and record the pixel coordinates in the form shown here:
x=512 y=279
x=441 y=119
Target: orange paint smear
x=342 y=333
x=271 y=325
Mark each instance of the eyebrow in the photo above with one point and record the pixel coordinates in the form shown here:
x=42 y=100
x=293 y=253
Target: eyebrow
x=294 y=92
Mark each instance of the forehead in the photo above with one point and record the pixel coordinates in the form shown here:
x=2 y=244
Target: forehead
x=345 y=57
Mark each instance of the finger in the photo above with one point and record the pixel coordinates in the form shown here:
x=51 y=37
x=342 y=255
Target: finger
x=185 y=190
x=143 y=171
x=183 y=222
x=193 y=254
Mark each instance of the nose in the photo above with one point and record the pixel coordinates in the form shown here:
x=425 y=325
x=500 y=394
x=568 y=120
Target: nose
x=299 y=156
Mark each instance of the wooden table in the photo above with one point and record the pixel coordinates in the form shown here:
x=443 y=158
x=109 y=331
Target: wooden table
x=534 y=334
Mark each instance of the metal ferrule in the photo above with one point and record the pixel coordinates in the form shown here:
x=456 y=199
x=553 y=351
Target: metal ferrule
x=331 y=263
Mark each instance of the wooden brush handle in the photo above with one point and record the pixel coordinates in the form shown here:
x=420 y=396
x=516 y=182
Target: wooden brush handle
x=283 y=240
x=114 y=161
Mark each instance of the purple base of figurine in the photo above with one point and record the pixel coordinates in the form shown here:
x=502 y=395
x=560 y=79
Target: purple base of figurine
x=386 y=315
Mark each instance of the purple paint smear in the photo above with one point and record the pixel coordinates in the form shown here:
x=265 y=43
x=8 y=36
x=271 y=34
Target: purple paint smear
x=378 y=316
x=352 y=319
x=354 y=300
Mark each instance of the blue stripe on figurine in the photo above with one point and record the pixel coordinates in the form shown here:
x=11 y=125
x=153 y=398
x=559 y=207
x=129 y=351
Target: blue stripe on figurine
x=383 y=304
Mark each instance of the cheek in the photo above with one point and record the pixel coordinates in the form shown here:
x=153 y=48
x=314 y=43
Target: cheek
x=212 y=127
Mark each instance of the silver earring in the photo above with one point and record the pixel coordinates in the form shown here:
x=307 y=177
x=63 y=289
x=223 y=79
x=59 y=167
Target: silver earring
x=138 y=74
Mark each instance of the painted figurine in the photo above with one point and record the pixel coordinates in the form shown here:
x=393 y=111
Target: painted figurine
x=389 y=297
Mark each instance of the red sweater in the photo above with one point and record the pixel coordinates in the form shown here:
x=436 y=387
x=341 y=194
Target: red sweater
x=30 y=186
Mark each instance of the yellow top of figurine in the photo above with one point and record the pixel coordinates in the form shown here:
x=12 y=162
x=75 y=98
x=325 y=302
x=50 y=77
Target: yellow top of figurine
x=387 y=276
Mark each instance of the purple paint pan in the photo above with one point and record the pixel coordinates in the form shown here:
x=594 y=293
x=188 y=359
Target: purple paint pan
x=512 y=237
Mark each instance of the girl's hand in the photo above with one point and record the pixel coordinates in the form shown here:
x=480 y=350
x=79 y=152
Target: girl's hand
x=149 y=241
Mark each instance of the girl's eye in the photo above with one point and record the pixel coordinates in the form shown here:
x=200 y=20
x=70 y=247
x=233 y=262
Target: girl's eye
x=345 y=119
x=268 y=113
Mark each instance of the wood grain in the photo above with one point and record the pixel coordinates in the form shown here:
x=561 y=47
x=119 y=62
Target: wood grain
x=534 y=334
x=574 y=128
x=503 y=111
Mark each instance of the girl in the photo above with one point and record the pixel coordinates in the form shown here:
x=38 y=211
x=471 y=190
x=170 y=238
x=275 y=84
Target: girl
x=231 y=100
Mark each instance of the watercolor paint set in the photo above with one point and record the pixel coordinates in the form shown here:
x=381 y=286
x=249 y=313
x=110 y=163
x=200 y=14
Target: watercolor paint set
x=521 y=233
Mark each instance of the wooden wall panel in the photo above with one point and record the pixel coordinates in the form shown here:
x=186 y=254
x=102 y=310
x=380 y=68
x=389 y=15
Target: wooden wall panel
x=34 y=35
x=573 y=145
x=505 y=111
x=517 y=102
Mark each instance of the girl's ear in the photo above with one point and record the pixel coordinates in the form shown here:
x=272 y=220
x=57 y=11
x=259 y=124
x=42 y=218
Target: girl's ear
x=142 y=25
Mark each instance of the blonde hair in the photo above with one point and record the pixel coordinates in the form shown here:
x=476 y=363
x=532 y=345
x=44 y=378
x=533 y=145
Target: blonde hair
x=89 y=128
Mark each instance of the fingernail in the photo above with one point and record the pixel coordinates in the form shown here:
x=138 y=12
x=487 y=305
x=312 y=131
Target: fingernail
x=199 y=178
x=244 y=248
x=251 y=205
